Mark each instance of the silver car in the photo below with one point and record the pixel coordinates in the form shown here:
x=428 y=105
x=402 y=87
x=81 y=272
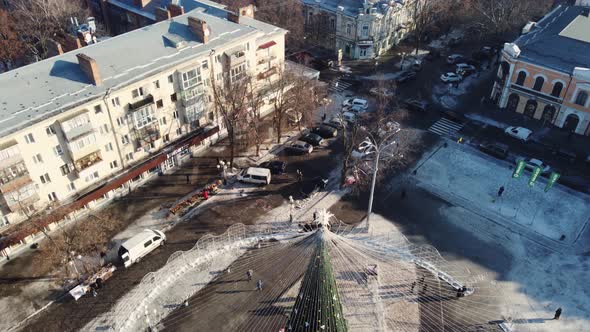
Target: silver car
x=300 y=147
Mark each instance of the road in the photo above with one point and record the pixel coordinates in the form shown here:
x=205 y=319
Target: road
x=69 y=315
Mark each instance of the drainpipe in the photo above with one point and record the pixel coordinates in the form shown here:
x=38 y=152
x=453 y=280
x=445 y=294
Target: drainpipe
x=104 y=99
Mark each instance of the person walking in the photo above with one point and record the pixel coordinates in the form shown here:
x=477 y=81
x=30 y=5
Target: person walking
x=249 y=274
x=205 y=194
x=557 y=314
x=500 y=191
x=259 y=285
x=299 y=175
x=323 y=117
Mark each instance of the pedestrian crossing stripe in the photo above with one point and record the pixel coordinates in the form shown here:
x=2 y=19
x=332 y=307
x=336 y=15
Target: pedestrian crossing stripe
x=339 y=86
x=445 y=127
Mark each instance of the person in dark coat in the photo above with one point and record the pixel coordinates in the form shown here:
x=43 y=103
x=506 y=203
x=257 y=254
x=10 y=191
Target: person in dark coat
x=500 y=191
x=557 y=314
x=259 y=285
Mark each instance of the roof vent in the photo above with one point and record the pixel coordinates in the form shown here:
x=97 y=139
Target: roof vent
x=528 y=27
x=174 y=40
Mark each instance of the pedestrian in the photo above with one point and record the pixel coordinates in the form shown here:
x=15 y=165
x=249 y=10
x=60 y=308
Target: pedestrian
x=249 y=274
x=93 y=289
x=323 y=117
x=500 y=191
x=299 y=175
x=205 y=194
x=557 y=314
x=403 y=194
x=188 y=179
x=259 y=285
x=315 y=216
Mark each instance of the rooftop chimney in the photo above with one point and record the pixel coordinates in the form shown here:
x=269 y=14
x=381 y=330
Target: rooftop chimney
x=162 y=14
x=90 y=68
x=175 y=10
x=199 y=28
x=141 y=3
x=247 y=11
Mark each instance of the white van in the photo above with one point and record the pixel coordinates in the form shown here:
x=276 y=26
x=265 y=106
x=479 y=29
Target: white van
x=255 y=175
x=139 y=245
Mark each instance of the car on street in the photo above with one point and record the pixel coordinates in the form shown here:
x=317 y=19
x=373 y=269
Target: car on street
x=255 y=175
x=335 y=122
x=454 y=58
x=415 y=105
x=310 y=187
x=383 y=92
x=494 y=149
x=519 y=133
x=276 y=167
x=531 y=163
x=450 y=78
x=349 y=117
x=405 y=76
x=355 y=102
x=465 y=69
x=311 y=138
x=141 y=244
x=300 y=147
x=325 y=131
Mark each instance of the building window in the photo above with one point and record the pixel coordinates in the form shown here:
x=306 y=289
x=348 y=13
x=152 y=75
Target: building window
x=37 y=159
x=170 y=78
x=205 y=64
x=166 y=138
x=45 y=178
x=29 y=138
x=349 y=29
x=91 y=177
x=97 y=109
x=115 y=101
x=108 y=147
x=49 y=130
x=332 y=24
x=125 y=139
x=71 y=186
x=521 y=78
x=129 y=156
x=557 y=87
x=175 y=114
x=143 y=117
x=104 y=129
x=114 y=164
x=173 y=97
x=5 y=221
x=157 y=84
x=120 y=121
x=65 y=169
x=137 y=92
x=52 y=196
x=163 y=121
x=191 y=78
x=365 y=31
x=581 y=99
x=159 y=103
x=58 y=150
x=538 y=83
x=179 y=131
x=237 y=72
x=363 y=52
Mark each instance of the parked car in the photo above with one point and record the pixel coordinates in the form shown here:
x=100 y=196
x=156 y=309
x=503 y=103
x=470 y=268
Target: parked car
x=311 y=138
x=355 y=101
x=520 y=133
x=276 y=167
x=464 y=69
x=497 y=150
x=405 y=75
x=335 y=122
x=384 y=92
x=256 y=175
x=450 y=78
x=349 y=117
x=357 y=109
x=141 y=244
x=416 y=65
x=325 y=131
x=454 y=58
x=415 y=105
x=300 y=147
x=531 y=163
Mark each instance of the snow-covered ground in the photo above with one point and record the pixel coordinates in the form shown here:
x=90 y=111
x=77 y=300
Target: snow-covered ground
x=462 y=173
x=448 y=96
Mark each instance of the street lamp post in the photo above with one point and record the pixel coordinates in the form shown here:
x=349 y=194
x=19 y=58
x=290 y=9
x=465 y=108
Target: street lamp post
x=371 y=146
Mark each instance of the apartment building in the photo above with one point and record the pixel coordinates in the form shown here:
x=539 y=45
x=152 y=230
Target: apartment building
x=360 y=29
x=80 y=128
x=545 y=73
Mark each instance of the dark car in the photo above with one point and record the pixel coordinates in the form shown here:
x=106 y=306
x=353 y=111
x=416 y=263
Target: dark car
x=325 y=131
x=497 y=150
x=415 y=105
x=311 y=138
x=405 y=75
x=276 y=166
x=310 y=187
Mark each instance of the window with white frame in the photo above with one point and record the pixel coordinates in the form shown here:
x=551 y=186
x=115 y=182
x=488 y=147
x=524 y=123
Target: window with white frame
x=365 y=31
x=115 y=101
x=65 y=169
x=52 y=196
x=9 y=152
x=37 y=159
x=83 y=142
x=45 y=178
x=120 y=121
x=58 y=150
x=108 y=147
x=91 y=177
x=191 y=78
x=76 y=122
x=29 y=138
x=71 y=186
x=129 y=156
x=237 y=72
x=143 y=116
x=50 y=131
x=137 y=92
x=125 y=139
x=114 y=164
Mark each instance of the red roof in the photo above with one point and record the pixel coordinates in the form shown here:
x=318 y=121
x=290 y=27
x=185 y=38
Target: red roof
x=267 y=45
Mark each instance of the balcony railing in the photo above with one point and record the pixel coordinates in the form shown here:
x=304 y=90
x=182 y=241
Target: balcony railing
x=87 y=161
x=146 y=135
x=267 y=73
x=21 y=200
x=16 y=183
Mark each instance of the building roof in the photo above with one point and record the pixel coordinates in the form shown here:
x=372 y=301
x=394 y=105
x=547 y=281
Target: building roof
x=43 y=89
x=551 y=42
x=349 y=7
x=149 y=9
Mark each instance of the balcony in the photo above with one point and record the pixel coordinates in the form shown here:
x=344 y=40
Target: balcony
x=86 y=164
x=14 y=177
x=22 y=198
x=236 y=56
x=192 y=96
x=76 y=126
x=82 y=146
x=10 y=155
x=266 y=59
x=146 y=135
x=267 y=73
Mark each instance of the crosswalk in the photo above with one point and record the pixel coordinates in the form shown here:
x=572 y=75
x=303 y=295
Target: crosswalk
x=445 y=127
x=338 y=86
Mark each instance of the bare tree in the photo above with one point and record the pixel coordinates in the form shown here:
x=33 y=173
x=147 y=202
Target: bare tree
x=11 y=47
x=287 y=14
x=39 y=21
x=278 y=89
x=253 y=115
x=423 y=15
x=305 y=97
x=499 y=16
x=230 y=97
